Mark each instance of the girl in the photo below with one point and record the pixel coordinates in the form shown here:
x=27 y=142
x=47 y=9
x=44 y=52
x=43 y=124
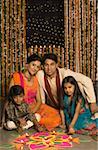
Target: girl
x=16 y=114
x=77 y=113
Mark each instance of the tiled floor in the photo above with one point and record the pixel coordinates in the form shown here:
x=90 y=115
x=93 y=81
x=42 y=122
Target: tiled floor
x=86 y=142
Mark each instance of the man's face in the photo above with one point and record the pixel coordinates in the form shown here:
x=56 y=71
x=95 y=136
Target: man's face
x=50 y=67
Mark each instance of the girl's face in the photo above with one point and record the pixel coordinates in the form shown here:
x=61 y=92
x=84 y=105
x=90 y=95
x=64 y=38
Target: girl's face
x=69 y=89
x=33 y=67
x=19 y=98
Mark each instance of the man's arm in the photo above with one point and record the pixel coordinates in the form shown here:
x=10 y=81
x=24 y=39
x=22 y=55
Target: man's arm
x=38 y=101
x=84 y=82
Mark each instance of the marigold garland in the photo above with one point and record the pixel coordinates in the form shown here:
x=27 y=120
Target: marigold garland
x=79 y=53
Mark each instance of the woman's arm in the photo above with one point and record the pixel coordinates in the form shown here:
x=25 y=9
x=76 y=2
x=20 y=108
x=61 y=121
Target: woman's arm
x=11 y=83
x=15 y=79
x=38 y=101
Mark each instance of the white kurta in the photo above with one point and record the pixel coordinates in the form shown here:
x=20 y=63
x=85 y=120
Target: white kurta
x=84 y=82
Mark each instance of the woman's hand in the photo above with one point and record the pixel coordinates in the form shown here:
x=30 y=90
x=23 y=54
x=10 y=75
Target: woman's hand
x=40 y=128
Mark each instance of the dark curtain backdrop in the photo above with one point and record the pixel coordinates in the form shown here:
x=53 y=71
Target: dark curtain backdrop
x=45 y=22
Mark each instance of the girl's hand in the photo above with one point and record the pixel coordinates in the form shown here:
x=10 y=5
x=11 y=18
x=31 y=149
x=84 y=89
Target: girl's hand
x=62 y=126
x=71 y=130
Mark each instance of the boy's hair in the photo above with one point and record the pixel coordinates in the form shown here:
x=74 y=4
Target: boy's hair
x=33 y=57
x=49 y=56
x=15 y=91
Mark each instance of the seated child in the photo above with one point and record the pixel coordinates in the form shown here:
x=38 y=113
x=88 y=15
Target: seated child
x=76 y=110
x=16 y=114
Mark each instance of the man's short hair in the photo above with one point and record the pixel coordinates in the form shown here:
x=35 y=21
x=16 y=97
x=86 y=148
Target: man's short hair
x=49 y=56
x=33 y=57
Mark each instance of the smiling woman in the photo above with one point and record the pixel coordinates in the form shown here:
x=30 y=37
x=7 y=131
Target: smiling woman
x=29 y=81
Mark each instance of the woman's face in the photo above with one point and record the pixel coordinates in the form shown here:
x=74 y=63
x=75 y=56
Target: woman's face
x=33 y=67
x=19 y=98
x=69 y=89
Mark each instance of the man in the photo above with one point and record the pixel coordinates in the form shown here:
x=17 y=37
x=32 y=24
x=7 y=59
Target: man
x=50 y=80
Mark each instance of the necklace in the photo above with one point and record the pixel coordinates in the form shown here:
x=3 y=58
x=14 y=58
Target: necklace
x=28 y=78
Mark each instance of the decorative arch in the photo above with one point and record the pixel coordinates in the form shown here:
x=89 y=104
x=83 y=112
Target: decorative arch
x=80 y=40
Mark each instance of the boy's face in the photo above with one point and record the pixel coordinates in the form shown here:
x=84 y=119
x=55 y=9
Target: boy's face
x=33 y=67
x=19 y=98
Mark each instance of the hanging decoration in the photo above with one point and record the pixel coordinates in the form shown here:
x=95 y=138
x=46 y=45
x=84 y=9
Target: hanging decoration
x=69 y=32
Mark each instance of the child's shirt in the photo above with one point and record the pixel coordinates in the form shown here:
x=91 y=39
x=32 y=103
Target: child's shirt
x=14 y=112
x=71 y=104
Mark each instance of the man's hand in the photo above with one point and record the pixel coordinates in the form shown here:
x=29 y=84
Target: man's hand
x=93 y=107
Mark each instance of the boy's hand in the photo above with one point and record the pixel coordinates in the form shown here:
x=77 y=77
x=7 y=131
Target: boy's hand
x=19 y=130
x=22 y=122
